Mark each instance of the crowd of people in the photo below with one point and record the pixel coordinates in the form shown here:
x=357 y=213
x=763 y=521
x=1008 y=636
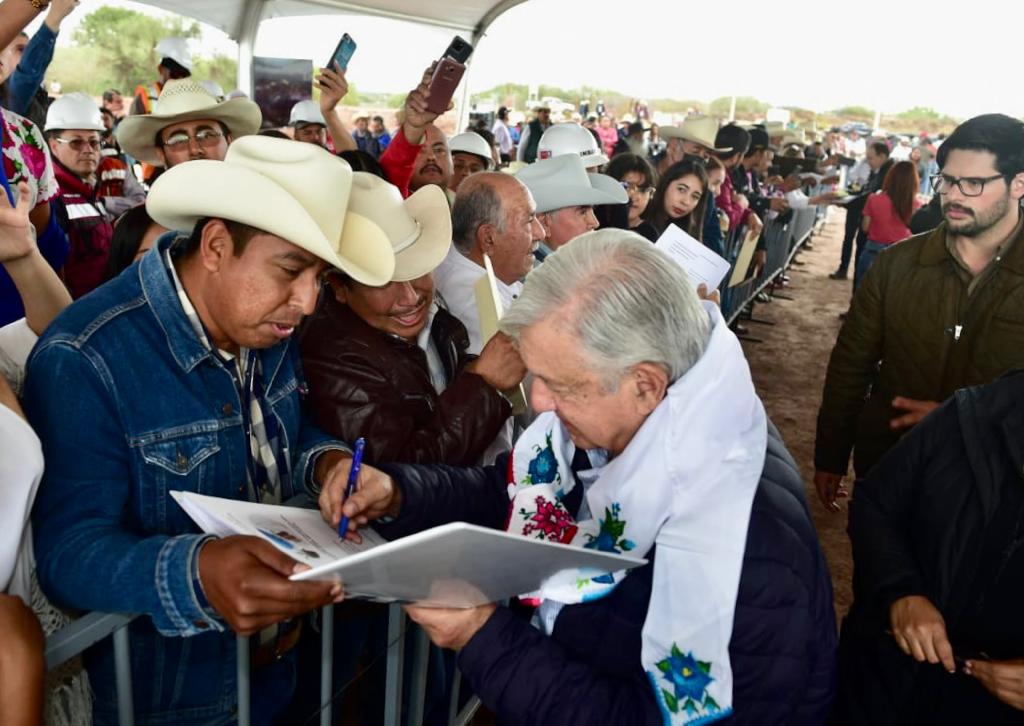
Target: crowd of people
x=192 y=302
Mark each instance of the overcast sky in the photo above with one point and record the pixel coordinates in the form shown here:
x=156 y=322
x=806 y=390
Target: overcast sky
x=959 y=58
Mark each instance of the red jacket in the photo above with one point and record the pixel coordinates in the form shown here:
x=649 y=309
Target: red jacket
x=80 y=212
x=399 y=161
x=727 y=202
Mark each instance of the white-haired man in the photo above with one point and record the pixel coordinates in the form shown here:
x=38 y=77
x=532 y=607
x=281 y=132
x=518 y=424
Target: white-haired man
x=736 y=593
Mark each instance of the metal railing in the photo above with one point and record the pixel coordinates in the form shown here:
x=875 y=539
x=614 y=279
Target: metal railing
x=91 y=628
x=783 y=240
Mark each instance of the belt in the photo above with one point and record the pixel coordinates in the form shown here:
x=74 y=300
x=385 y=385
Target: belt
x=276 y=648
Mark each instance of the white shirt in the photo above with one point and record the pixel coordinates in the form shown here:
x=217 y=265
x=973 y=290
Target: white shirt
x=16 y=341
x=502 y=136
x=454 y=280
x=435 y=366
x=21 y=468
x=524 y=141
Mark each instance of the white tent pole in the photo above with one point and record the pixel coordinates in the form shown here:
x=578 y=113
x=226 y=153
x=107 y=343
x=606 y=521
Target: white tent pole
x=248 y=29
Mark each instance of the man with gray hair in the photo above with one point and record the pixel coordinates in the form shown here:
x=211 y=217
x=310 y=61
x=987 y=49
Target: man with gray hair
x=494 y=214
x=650 y=440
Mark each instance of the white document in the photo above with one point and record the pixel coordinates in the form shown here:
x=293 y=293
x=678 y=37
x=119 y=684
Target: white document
x=455 y=565
x=700 y=263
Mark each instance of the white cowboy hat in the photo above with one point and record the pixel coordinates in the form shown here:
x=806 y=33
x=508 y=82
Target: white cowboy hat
x=563 y=181
x=698 y=129
x=185 y=100
x=419 y=228
x=306 y=112
x=570 y=138
x=471 y=143
x=177 y=50
x=298 y=192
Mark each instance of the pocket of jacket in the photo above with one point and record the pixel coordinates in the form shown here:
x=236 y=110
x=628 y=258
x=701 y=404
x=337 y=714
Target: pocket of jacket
x=181 y=463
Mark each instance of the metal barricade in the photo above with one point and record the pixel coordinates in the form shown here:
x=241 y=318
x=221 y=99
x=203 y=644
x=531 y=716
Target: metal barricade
x=91 y=628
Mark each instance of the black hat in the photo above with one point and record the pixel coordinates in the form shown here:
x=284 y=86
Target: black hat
x=759 y=139
x=733 y=137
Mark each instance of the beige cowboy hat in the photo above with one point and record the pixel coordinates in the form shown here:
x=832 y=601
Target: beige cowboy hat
x=563 y=181
x=698 y=129
x=775 y=128
x=298 y=192
x=419 y=229
x=185 y=100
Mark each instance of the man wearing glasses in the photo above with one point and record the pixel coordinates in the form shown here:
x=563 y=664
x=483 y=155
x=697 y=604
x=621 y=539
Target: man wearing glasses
x=189 y=124
x=937 y=312
x=93 y=189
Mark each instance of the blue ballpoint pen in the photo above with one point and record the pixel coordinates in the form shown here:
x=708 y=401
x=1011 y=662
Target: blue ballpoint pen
x=350 y=487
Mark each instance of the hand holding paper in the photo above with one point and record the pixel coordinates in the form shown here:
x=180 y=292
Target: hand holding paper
x=700 y=264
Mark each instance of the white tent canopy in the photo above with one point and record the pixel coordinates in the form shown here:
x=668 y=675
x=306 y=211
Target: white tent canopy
x=241 y=19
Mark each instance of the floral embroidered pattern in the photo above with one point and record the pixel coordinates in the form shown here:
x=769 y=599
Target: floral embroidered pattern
x=550 y=521
x=609 y=538
x=689 y=679
x=25 y=157
x=543 y=469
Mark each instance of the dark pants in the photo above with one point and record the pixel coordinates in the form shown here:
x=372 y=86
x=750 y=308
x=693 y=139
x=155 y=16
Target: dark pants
x=852 y=232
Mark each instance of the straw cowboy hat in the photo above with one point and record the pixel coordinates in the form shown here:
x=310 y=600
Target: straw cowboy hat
x=563 y=181
x=185 y=100
x=298 y=192
x=698 y=129
x=419 y=228
x=471 y=142
x=570 y=138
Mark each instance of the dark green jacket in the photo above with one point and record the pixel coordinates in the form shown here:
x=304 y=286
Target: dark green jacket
x=913 y=331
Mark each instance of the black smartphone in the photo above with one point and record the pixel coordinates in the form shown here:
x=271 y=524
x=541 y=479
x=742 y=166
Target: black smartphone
x=458 y=50
x=343 y=53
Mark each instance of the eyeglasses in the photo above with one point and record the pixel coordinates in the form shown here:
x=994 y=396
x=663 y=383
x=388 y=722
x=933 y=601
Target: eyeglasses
x=204 y=137
x=631 y=188
x=969 y=186
x=79 y=144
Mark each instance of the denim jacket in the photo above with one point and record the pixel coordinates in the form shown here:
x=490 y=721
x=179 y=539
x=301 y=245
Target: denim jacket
x=130 y=406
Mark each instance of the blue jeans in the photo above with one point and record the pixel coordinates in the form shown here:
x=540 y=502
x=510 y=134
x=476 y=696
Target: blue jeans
x=867 y=256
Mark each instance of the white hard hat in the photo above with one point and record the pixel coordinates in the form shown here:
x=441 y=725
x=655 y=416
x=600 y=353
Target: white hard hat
x=570 y=138
x=74 y=111
x=471 y=143
x=306 y=112
x=215 y=89
x=177 y=50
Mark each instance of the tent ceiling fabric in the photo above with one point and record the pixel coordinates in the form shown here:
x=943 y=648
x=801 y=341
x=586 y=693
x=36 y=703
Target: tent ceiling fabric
x=229 y=15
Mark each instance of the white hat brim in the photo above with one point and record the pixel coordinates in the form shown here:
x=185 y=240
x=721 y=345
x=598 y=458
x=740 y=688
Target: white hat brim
x=674 y=132
x=550 y=197
x=191 y=191
x=428 y=205
x=137 y=134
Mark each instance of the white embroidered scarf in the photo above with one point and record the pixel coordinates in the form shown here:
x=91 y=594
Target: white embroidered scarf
x=686 y=483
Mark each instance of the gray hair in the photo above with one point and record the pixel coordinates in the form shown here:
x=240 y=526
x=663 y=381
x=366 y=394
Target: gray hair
x=630 y=304
x=476 y=203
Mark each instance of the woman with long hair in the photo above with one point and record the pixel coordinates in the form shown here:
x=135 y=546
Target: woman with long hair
x=637 y=177
x=681 y=199
x=887 y=215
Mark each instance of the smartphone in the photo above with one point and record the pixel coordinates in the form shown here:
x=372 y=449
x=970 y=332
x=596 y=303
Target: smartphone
x=343 y=53
x=458 y=50
x=443 y=84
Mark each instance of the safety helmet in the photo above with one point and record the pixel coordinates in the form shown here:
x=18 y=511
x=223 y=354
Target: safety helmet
x=74 y=111
x=570 y=138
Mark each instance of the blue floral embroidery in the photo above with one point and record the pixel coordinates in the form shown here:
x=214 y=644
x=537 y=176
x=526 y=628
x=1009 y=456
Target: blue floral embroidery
x=689 y=679
x=543 y=468
x=609 y=538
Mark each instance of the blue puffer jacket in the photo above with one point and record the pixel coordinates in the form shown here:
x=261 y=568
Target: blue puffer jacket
x=588 y=672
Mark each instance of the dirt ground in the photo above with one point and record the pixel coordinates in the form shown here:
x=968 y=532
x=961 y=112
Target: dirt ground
x=788 y=367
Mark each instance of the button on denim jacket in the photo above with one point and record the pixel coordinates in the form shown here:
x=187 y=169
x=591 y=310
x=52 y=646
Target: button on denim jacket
x=130 y=406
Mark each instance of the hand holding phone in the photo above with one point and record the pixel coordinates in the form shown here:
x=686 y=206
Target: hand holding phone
x=445 y=80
